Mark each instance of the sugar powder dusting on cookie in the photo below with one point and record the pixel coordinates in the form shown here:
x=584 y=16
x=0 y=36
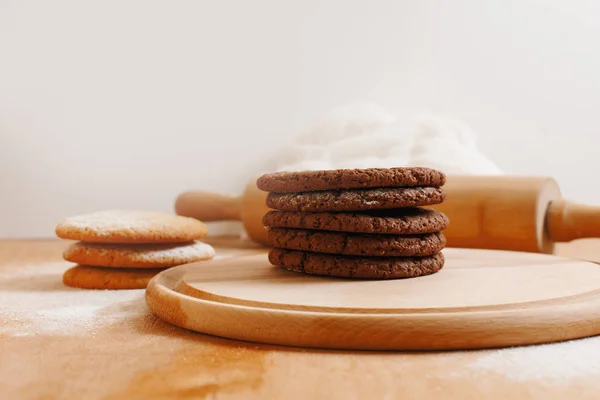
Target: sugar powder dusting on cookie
x=131 y=226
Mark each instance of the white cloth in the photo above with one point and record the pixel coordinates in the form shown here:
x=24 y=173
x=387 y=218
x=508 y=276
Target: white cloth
x=367 y=136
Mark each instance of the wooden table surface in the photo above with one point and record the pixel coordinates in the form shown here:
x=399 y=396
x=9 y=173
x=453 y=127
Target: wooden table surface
x=63 y=343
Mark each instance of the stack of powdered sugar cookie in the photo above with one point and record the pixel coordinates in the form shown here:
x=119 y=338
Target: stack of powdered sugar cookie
x=124 y=249
x=356 y=223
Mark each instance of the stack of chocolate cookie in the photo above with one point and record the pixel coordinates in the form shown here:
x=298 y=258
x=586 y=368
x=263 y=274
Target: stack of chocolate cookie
x=125 y=249
x=360 y=223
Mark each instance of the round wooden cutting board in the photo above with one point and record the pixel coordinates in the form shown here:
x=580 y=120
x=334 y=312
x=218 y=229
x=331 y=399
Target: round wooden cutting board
x=480 y=299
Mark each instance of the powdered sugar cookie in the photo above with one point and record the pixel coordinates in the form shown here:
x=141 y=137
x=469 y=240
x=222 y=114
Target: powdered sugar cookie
x=124 y=226
x=138 y=256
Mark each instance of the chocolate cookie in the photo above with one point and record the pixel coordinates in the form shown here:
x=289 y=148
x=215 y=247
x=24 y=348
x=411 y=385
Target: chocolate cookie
x=356 y=267
x=403 y=221
x=304 y=181
x=359 y=244
x=356 y=199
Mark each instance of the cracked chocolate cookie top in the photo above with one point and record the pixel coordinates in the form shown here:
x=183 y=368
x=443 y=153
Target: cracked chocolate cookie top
x=402 y=221
x=360 y=244
x=356 y=267
x=308 y=181
x=356 y=199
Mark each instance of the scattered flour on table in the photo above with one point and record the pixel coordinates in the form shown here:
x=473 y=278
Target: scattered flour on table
x=549 y=363
x=58 y=310
x=62 y=310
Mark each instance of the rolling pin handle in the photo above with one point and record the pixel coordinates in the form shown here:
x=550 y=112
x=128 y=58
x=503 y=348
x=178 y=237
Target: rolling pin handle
x=208 y=207
x=567 y=221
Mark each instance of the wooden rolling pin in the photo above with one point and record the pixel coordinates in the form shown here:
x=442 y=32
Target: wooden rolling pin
x=485 y=212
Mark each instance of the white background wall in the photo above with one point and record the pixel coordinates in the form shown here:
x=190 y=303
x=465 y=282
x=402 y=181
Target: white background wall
x=127 y=103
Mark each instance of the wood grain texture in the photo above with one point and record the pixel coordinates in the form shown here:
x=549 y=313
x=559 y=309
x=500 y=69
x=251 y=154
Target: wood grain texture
x=480 y=299
x=500 y=212
x=122 y=351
